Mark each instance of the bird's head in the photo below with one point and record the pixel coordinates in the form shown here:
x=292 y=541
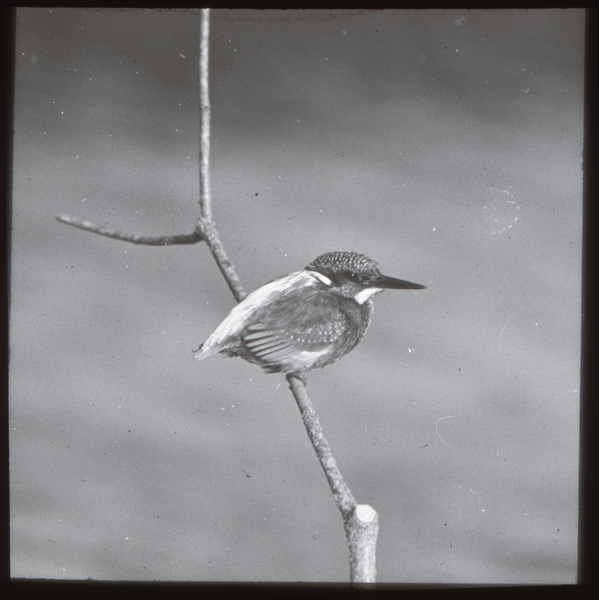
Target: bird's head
x=354 y=275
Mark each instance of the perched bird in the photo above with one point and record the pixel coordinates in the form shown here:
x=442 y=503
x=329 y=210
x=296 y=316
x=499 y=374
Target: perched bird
x=305 y=320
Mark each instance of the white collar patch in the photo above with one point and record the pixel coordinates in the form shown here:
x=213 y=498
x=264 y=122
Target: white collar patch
x=364 y=295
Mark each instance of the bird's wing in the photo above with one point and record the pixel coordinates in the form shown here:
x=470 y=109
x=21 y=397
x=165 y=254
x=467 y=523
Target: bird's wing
x=299 y=325
x=267 y=345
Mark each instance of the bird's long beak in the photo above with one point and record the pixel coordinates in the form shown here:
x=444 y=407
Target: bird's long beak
x=390 y=283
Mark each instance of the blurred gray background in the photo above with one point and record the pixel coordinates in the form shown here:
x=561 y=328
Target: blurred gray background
x=446 y=145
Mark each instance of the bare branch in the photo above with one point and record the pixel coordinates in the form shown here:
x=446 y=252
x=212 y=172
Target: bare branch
x=206 y=226
x=362 y=530
x=207 y=230
x=205 y=199
x=361 y=521
x=168 y=240
x=342 y=494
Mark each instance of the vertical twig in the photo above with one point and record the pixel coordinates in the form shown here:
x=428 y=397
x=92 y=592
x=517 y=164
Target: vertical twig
x=205 y=199
x=206 y=227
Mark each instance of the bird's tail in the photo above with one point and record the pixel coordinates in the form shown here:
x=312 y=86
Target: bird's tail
x=197 y=352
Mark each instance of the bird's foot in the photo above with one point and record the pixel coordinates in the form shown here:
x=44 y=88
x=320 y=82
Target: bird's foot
x=302 y=378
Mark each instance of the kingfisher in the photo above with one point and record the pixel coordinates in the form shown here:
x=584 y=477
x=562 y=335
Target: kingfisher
x=305 y=320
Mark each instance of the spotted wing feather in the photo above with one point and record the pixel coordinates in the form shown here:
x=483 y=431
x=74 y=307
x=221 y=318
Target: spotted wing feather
x=307 y=326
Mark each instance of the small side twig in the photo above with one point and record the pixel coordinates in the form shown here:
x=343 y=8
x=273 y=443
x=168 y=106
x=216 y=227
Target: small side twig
x=134 y=238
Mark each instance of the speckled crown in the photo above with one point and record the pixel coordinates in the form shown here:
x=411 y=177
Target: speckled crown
x=337 y=262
